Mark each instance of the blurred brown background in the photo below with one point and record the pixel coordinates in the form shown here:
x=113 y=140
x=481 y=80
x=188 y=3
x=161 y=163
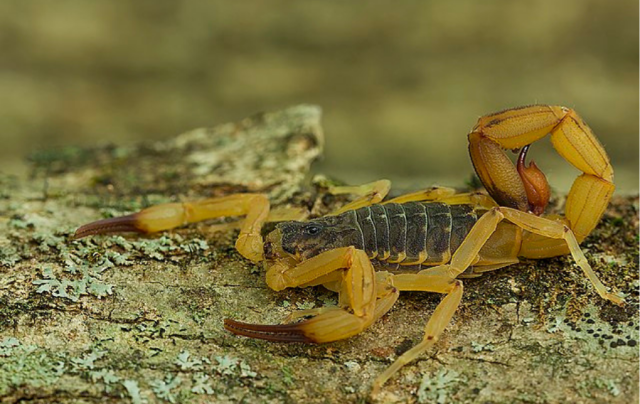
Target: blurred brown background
x=401 y=83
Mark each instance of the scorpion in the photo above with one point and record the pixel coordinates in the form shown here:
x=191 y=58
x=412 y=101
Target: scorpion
x=370 y=250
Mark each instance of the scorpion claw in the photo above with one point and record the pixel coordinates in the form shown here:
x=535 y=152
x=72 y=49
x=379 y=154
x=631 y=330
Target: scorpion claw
x=331 y=324
x=276 y=333
x=149 y=220
x=128 y=223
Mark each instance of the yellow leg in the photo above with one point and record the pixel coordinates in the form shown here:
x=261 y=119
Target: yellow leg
x=370 y=194
x=305 y=273
x=286 y=214
x=556 y=230
x=171 y=215
x=279 y=214
x=476 y=199
x=467 y=253
x=445 y=195
x=375 y=192
x=486 y=225
x=431 y=194
x=478 y=270
x=439 y=319
x=386 y=294
x=331 y=324
x=442 y=279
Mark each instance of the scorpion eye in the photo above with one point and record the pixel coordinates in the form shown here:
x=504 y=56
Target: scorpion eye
x=312 y=229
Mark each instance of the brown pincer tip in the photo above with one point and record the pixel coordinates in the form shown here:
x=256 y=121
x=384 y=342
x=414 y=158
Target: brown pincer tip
x=275 y=333
x=120 y=224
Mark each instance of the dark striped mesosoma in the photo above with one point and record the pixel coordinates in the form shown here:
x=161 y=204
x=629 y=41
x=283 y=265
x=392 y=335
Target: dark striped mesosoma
x=370 y=250
x=410 y=235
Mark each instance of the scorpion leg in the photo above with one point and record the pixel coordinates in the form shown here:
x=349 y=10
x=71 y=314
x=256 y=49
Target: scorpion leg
x=375 y=192
x=430 y=194
x=441 y=279
x=551 y=229
x=386 y=295
x=370 y=194
x=332 y=324
x=305 y=273
x=279 y=214
x=446 y=195
x=170 y=215
x=439 y=319
x=286 y=214
x=559 y=231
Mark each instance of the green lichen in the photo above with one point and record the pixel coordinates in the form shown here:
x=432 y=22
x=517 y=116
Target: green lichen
x=226 y=365
x=9 y=256
x=598 y=388
x=287 y=376
x=477 y=347
x=47 y=241
x=185 y=362
x=8 y=345
x=107 y=376
x=69 y=288
x=305 y=305
x=134 y=391
x=163 y=389
x=436 y=388
x=201 y=384
x=18 y=222
x=166 y=246
x=27 y=365
x=87 y=361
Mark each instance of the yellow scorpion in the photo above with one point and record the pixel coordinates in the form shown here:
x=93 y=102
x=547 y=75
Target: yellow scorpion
x=370 y=250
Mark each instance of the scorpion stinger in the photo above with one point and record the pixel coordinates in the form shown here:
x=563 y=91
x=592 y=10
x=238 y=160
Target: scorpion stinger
x=535 y=183
x=573 y=140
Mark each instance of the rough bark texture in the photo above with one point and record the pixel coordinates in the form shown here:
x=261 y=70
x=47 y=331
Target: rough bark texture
x=140 y=317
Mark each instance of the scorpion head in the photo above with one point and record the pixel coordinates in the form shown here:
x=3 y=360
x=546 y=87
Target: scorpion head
x=293 y=242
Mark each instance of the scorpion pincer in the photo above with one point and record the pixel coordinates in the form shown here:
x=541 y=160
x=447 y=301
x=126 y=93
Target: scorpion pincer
x=370 y=250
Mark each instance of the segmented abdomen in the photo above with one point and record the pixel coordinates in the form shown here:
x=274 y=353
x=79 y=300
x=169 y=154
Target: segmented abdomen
x=413 y=233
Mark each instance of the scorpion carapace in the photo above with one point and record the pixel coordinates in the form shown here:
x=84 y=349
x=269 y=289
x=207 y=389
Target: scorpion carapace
x=369 y=250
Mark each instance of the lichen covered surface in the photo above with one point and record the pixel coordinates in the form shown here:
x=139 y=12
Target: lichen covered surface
x=139 y=318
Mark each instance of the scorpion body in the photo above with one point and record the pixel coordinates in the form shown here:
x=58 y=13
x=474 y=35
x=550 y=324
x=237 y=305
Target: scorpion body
x=368 y=251
x=395 y=236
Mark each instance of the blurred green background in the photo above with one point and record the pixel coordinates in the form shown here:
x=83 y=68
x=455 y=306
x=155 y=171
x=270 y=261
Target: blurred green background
x=401 y=83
